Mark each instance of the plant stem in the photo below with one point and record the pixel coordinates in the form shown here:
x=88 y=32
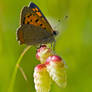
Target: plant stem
x=16 y=69
x=25 y=77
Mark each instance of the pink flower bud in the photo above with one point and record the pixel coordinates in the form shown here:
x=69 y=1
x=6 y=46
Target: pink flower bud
x=43 y=53
x=55 y=67
x=41 y=78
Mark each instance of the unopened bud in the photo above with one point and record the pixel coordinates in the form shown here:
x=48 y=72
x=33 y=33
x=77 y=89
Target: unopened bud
x=41 y=78
x=55 y=67
x=43 y=53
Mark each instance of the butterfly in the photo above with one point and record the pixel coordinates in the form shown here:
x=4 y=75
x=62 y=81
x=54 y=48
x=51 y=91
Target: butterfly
x=34 y=28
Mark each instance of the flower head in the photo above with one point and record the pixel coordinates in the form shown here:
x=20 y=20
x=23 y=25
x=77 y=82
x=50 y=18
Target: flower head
x=43 y=53
x=55 y=67
x=41 y=78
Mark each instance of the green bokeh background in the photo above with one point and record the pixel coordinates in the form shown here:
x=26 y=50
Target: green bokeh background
x=74 y=45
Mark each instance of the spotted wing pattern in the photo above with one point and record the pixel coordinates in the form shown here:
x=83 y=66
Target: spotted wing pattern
x=33 y=15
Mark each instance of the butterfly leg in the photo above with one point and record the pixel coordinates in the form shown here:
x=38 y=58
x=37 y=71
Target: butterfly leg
x=53 y=46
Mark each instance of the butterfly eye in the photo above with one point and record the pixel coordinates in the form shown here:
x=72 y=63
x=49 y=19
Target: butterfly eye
x=55 y=32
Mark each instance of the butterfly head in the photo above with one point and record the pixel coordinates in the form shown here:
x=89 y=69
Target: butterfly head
x=55 y=33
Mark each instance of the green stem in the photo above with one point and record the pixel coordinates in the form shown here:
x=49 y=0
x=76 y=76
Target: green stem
x=16 y=69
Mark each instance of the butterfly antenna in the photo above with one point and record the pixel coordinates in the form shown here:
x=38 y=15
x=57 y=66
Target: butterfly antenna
x=51 y=45
x=59 y=21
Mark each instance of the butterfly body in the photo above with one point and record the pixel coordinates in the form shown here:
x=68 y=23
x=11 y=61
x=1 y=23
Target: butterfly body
x=34 y=28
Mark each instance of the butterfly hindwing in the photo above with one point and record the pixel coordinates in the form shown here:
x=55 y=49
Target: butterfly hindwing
x=20 y=35
x=32 y=35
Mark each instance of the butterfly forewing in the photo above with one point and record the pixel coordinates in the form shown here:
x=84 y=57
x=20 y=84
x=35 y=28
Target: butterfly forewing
x=33 y=15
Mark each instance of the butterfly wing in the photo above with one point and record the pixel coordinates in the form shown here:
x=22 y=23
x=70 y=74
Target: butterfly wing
x=36 y=8
x=33 y=35
x=20 y=35
x=33 y=15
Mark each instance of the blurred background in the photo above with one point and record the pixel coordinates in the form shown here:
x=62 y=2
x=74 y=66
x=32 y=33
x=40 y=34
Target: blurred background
x=74 y=45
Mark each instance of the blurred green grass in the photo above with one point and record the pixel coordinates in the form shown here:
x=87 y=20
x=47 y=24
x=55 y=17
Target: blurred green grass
x=74 y=45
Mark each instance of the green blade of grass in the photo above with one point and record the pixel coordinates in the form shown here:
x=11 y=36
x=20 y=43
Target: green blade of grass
x=16 y=69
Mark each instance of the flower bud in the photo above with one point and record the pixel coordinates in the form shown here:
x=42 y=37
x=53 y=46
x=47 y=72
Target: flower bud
x=55 y=67
x=43 y=53
x=42 y=79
